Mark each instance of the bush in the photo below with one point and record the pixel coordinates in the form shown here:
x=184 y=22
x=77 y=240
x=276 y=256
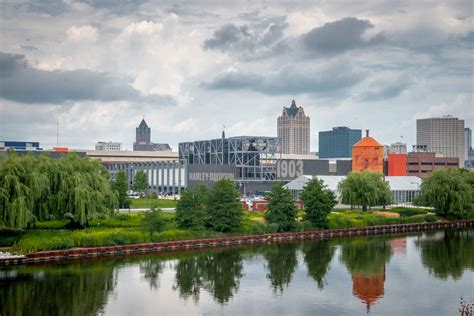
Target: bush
x=430 y=218
x=153 y=221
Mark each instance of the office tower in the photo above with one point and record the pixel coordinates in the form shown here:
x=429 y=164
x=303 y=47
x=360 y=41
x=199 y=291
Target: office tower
x=443 y=135
x=294 y=130
x=338 y=142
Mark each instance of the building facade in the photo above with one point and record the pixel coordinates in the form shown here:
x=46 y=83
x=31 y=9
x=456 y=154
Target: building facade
x=20 y=146
x=143 y=140
x=338 y=142
x=397 y=165
x=108 y=146
x=293 y=128
x=367 y=154
x=421 y=164
x=397 y=148
x=467 y=142
x=442 y=135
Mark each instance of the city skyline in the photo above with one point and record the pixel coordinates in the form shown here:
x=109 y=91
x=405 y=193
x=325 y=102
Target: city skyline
x=191 y=68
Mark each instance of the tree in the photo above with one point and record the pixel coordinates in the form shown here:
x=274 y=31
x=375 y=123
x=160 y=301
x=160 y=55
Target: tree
x=41 y=188
x=281 y=209
x=153 y=221
x=366 y=188
x=318 y=202
x=449 y=191
x=120 y=184
x=140 y=182
x=191 y=210
x=224 y=207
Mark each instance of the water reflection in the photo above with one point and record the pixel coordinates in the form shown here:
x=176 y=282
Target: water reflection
x=290 y=270
x=318 y=256
x=281 y=264
x=365 y=259
x=218 y=273
x=447 y=254
x=74 y=289
x=151 y=270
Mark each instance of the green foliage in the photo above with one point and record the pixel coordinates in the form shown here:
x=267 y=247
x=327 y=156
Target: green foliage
x=224 y=208
x=281 y=209
x=366 y=188
x=153 y=221
x=449 y=191
x=140 y=182
x=191 y=210
x=120 y=185
x=41 y=188
x=318 y=202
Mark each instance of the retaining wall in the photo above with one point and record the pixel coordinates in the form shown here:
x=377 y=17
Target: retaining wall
x=43 y=256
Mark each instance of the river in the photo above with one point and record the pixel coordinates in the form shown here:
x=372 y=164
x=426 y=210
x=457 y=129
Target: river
x=417 y=274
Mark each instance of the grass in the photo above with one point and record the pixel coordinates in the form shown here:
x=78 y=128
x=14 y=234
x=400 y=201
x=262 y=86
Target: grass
x=147 y=203
x=126 y=229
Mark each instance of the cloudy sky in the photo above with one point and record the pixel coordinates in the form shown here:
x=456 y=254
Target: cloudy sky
x=190 y=67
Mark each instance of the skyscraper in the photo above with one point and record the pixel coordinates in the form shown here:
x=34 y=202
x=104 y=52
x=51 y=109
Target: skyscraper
x=143 y=139
x=338 y=142
x=294 y=130
x=442 y=135
x=467 y=142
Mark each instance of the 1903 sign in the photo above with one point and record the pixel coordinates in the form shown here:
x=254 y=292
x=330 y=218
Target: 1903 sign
x=289 y=168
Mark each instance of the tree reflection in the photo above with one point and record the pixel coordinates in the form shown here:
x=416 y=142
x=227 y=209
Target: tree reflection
x=218 y=273
x=281 y=263
x=367 y=256
x=75 y=289
x=450 y=255
x=151 y=270
x=317 y=256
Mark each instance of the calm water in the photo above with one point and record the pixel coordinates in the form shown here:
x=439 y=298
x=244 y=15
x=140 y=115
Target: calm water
x=424 y=274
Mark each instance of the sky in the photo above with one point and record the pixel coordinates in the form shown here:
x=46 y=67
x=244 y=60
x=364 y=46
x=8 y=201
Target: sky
x=97 y=67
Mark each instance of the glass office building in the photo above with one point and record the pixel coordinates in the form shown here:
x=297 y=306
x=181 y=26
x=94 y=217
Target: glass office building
x=338 y=142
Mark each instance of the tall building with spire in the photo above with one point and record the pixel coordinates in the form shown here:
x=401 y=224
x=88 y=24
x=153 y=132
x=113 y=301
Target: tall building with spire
x=294 y=130
x=143 y=139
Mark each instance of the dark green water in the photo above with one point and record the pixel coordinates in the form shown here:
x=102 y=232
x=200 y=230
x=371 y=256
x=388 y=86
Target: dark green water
x=424 y=274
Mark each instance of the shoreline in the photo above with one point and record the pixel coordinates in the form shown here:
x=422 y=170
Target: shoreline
x=229 y=241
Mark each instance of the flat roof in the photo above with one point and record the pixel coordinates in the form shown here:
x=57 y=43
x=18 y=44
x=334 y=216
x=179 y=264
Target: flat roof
x=396 y=183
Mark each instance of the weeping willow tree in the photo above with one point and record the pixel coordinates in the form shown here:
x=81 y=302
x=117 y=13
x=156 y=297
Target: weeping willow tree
x=366 y=188
x=41 y=188
x=450 y=192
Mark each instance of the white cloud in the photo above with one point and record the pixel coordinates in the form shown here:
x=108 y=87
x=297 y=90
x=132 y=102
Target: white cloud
x=85 y=33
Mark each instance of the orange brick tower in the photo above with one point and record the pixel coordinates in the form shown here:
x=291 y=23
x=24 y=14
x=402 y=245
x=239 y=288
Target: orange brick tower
x=367 y=154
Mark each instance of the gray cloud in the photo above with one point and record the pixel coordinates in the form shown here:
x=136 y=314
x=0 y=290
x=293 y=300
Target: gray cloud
x=325 y=79
x=267 y=39
x=339 y=36
x=29 y=47
x=386 y=89
x=22 y=83
x=249 y=42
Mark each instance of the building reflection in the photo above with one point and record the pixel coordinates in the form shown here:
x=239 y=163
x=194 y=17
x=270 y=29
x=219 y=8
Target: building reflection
x=365 y=259
x=368 y=288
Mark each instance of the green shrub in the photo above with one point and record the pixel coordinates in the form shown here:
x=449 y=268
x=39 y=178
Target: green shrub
x=430 y=218
x=272 y=228
x=153 y=221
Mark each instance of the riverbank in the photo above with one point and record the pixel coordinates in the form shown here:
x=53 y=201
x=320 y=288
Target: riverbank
x=70 y=254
